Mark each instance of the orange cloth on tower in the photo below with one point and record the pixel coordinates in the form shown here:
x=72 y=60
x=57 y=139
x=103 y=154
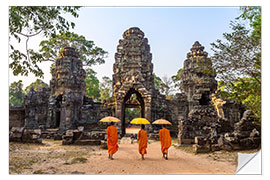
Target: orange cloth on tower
x=165 y=140
x=142 y=138
x=112 y=139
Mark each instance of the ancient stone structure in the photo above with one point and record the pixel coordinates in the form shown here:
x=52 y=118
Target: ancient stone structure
x=63 y=106
x=16 y=116
x=36 y=108
x=63 y=111
x=67 y=91
x=198 y=83
x=246 y=134
x=133 y=74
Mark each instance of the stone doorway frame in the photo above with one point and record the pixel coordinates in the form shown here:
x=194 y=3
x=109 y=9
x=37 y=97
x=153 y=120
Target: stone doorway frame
x=124 y=106
x=120 y=96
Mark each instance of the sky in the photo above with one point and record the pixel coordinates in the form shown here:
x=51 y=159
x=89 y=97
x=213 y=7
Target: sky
x=171 y=32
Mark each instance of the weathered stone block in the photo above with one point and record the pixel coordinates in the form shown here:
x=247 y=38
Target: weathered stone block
x=201 y=149
x=32 y=136
x=88 y=142
x=200 y=140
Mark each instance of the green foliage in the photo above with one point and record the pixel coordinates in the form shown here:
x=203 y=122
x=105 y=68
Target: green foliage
x=177 y=78
x=37 y=85
x=16 y=94
x=157 y=82
x=131 y=113
x=92 y=84
x=243 y=90
x=89 y=53
x=105 y=88
x=29 y=21
x=239 y=56
x=237 y=61
x=253 y=14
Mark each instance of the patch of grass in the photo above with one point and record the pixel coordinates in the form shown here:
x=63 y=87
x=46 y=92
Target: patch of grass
x=66 y=155
x=18 y=163
x=174 y=141
x=40 y=171
x=186 y=148
x=79 y=160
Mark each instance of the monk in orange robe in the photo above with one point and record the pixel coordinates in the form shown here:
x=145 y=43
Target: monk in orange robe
x=112 y=139
x=142 y=139
x=165 y=140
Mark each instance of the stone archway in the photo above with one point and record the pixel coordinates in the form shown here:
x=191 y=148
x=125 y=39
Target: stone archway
x=130 y=103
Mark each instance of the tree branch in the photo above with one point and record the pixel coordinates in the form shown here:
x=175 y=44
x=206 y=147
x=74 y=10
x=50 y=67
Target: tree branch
x=29 y=35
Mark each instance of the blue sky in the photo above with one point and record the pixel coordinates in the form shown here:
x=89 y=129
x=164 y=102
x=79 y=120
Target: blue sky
x=171 y=31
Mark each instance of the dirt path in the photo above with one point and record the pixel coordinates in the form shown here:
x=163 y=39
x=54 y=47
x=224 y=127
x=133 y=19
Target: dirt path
x=54 y=158
x=128 y=161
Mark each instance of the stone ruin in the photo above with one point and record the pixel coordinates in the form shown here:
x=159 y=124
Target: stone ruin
x=133 y=74
x=207 y=124
x=49 y=113
x=63 y=111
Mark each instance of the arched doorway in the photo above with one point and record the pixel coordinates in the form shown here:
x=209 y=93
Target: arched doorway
x=132 y=100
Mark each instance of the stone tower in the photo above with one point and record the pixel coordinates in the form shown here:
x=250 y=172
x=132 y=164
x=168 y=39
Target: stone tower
x=67 y=91
x=198 y=77
x=133 y=73
x=198 y=83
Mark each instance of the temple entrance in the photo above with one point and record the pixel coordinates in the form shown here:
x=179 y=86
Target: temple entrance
x=58 y=111
x=133 y=107
x=57 y=119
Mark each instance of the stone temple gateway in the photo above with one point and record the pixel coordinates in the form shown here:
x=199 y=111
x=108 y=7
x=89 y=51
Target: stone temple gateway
x=133 y=73
x=63 y=111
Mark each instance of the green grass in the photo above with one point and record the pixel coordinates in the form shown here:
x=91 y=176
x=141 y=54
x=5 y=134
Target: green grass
x=78 y=160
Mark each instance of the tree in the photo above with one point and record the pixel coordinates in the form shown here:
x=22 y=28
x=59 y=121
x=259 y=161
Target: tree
x=177 y=78
x=105 y=88
x=253 y=14
x=16 y=94
x=37 y=85
x=238 y=61
x=27 y=22
x=167 y=87
x=89 y=53
x=157 y=82
x=131 y=113
x=92 y=84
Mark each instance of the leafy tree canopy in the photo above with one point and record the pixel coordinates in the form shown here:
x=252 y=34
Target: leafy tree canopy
x=253 y=14
x=105 y=88
x=26 y=22
x=37 y=85
x=29 y=21
x=16 y=94
x=89 y=53
x=237 y=61
x=177 y=78
x=92 y=85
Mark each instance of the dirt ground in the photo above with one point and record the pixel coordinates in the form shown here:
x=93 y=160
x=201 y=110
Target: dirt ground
x=54 y=158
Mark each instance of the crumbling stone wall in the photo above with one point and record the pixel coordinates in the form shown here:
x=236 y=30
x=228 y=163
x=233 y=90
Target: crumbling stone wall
x=233 y=111
x=36 y=108
x=92 y=112
x=16 y=116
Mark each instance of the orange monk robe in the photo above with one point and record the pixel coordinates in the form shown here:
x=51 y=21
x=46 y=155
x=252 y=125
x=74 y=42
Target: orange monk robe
x=142 y=138
x=112 y=139
x=165 y=140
